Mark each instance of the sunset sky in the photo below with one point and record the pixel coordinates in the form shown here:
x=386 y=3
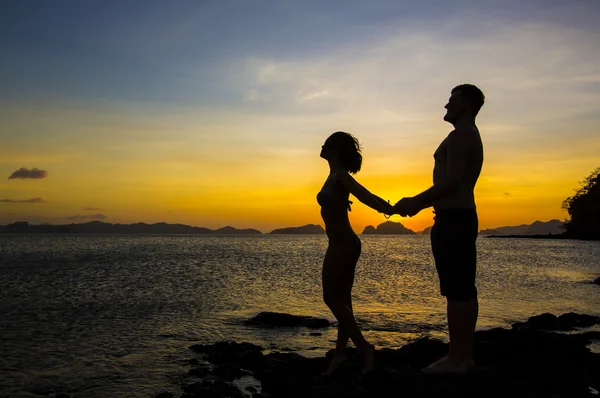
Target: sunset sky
x=212 y=113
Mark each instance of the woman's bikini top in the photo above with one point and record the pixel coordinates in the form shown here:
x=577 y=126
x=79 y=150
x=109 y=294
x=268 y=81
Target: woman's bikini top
x=326 y=199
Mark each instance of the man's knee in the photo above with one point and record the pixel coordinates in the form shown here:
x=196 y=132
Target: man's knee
x=461 y=294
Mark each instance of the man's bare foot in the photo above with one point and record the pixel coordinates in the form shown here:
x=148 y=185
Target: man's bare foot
x=336 y=361
x=447 y=365
x=368 y=360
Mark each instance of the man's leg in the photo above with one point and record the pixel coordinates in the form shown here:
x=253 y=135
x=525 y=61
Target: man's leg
x=455 y=254
x=462 y=319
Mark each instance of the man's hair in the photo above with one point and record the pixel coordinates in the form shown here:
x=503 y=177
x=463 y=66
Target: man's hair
x=472 y=94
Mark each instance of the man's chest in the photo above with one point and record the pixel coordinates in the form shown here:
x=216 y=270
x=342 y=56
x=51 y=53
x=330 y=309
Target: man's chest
x=440 y=153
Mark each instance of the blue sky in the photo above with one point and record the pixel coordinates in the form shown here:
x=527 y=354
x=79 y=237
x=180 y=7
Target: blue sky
x=201 y=102
x=149 y=50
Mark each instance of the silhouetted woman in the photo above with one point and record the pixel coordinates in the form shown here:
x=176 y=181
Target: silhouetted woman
x=342 y=152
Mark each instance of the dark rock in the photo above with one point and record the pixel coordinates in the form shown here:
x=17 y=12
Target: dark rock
x=225 y=347
x=245 y=355
x=229 y=372
x=597 y=281
x=525 y=361
x=213 y=389
x=419 y=353
x=587 y=337
x=200 y=371
x=251 y=359
x=592 y=335
x=165 y=395
x=277 y=319
x=543 y=321
x=315 y=334
x=568 y=321
x=226 y=372
x=571 y=320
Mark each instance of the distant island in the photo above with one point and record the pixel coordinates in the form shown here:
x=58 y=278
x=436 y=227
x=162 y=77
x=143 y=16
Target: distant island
x=539 y=228
x=536 y=236
x=305 y=230
x=98 y=227
x=388 y=228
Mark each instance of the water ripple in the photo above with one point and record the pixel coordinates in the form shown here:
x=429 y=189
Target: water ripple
x=100 y=316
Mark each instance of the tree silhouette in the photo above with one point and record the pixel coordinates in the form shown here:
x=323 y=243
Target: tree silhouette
x=584 y=209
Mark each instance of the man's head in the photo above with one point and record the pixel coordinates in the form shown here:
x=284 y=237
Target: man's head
x=465 y=101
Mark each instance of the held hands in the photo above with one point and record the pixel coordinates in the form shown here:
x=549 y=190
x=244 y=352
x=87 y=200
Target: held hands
x=406 y=207
x=385 y=207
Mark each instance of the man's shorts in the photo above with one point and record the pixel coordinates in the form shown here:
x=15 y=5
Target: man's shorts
x=453 y=239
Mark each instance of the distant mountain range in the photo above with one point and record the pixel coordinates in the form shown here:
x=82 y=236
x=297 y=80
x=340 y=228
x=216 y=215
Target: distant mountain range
x=387 y=228
x=97 y=227
x=554 y=227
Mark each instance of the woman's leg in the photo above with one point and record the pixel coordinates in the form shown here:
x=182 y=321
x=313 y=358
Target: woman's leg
x=337 y=285
x=338 y=278
x=343 y=336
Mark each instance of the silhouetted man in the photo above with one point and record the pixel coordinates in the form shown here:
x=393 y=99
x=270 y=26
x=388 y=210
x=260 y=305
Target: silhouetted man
x=458 y=162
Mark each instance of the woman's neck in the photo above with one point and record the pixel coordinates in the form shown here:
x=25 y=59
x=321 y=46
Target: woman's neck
x=334 y=165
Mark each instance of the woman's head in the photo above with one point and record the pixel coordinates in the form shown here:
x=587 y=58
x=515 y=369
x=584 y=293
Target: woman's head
x=345 y=148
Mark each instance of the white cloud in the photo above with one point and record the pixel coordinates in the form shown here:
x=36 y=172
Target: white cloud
x=540 y=81
x=408 y=68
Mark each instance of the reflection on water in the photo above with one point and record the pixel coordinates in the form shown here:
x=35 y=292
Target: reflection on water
x=104 y=316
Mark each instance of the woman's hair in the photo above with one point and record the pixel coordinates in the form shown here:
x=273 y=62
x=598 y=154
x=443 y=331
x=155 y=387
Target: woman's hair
x=348 y=150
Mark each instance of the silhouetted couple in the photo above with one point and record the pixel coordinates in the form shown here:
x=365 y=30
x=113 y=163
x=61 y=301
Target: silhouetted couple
x=458 y=162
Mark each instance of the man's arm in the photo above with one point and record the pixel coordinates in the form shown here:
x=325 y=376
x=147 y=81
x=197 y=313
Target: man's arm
x=457 y=150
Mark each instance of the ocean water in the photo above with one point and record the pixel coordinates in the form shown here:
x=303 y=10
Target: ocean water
x=113 y=316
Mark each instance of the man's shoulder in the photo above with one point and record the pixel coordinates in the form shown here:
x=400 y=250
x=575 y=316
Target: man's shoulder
x=466 y=130
x=464 y=133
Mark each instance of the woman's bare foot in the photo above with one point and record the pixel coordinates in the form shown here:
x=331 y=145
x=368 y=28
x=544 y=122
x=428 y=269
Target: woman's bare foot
x=447 y=365
x=368 y=360
x=336 y=361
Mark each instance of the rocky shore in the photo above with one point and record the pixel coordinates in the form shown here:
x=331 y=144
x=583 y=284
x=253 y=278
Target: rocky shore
x=537 y=358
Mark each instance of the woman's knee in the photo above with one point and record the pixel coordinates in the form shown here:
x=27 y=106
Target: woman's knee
x=332 y=299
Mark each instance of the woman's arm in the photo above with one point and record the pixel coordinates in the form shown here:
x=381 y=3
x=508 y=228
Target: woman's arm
x=363 y=194
x=382 y=201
